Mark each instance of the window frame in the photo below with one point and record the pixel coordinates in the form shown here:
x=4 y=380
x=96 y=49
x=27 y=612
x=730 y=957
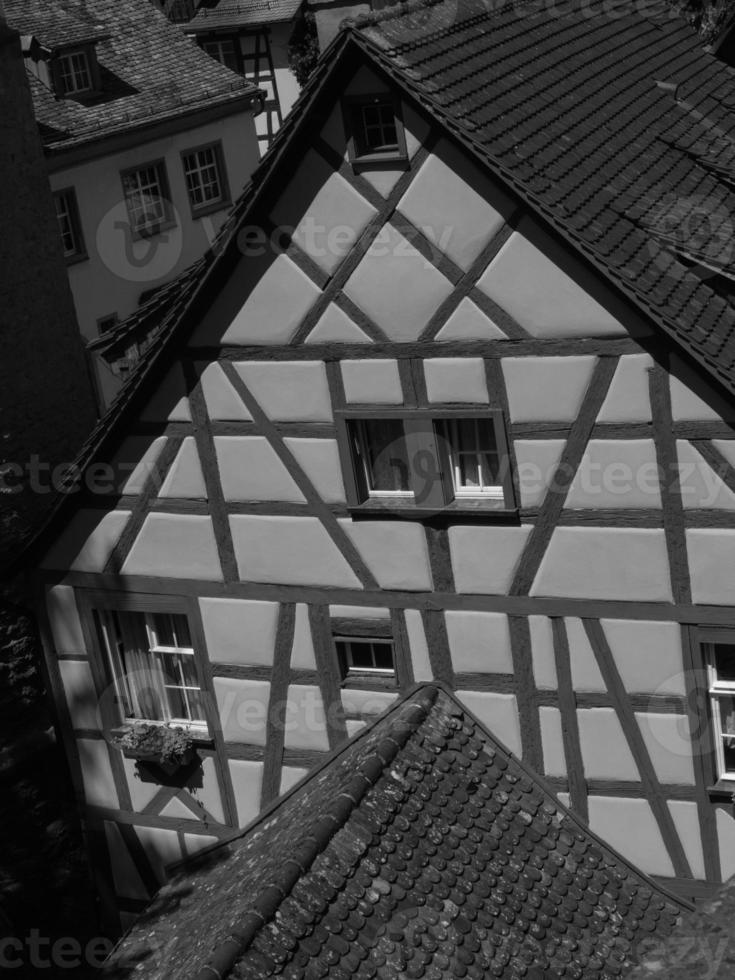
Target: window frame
x=165 y=195
x=369 y=630
x=107 y=323
x=707 y=637
x=201 y=210
x=220 y=39
x=88 y=52
x=388 y=159
x=112 y=712
x=80 y=254
x=421 y=437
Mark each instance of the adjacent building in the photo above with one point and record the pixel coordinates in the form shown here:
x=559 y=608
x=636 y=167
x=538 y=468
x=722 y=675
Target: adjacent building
x=451 y=401
x=146 y=142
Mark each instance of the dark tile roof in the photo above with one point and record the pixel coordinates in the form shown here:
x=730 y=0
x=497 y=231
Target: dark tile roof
x=421 y=849
x=218 y=14
x=149 y=70
x=617 y=127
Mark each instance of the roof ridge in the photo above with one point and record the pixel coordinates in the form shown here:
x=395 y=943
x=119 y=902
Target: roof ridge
x=411 y=715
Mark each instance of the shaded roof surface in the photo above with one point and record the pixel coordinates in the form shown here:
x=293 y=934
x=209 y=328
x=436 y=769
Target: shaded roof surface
x=562 y=100
x=216 y=14
x=149 y=70
x=422 y=849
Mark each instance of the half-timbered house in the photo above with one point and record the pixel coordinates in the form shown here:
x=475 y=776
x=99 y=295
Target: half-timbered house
x=450 y=398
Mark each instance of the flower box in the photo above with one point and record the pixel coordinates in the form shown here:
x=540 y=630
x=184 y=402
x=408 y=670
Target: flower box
x=169 y=747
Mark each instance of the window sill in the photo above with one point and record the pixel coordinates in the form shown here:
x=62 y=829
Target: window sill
x=76 y=259
x=206 y=209
x=723 y=789
x=380 y=161
x=153 y=232
x=463 y=508
x=369 y=682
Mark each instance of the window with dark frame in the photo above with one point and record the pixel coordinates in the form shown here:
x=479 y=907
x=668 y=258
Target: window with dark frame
x=366 y=657
x=224 y=51
x=147 y=198
x=205 y=178
x=153 y=666
x=426 y=460
x=375 y=129
x=719 y=653
x=74 y=73
x=67 y=217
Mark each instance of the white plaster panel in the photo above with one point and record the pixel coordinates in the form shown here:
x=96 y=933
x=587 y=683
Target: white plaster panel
x=239 y=631
x=289 y=551
x=185 y=478
x=208 y=794
x=564 y=799
x=378 y=286
x=485 y=558
x=648 y=655
x=383 y=181
x=319 y=459
x=669 y=744
x=605 y=751
x=175 y=546
x=727 y=448
x=356 y=702
x=711 y=562
x=539 y=295
x=306 y=721
x=456 y=379
x=302 y=651
x=360 y=612
x=247 y=779
x=586 y=674
x=726 y=838
x=141 y=793
x=323 y=213
x=394 y=551
x=552 y=742
x=686 y=406
x=138 y=456
x=612 y=819
x=605 y=563
x=335 y=327
x=616 y=473
x=161 y=847
x=354 y=726
x=290 y=776
x=243 y=709
x=176 y=810
x=250 y=469
x=374 y=382
x=454 y=205
x=97 y=778
x=289 y=391
x=222 y=401
x=468 y=322
x=699 y=484
x=499 y=714
x=194 y=843
x=125 y=876
x=628 y=398
x=419 y=648
x=264 y=302
x=63 y=618
x=81 y=697
x=542 y=653
x=170 y=402
x=536 y=464
x=87 y=541
x=479 y=641
x=686 y=821
x=546 y=389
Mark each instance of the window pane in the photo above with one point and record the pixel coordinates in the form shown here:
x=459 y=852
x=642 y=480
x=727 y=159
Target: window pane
x=196 y=705
x=176 y=703
x=181 y=631
x=360 y=655
x=470 y=445
x=164 y=628
x=726 y=706
x=385 y=454
x=383 y=656
x=725 y=661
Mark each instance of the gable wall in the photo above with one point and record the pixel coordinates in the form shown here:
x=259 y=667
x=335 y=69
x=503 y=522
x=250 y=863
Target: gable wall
x=568 y=631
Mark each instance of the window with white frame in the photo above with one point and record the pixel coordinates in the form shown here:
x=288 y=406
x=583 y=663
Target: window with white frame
x=67 y=217
x=381 y=451
x=224 y=51
x=720 y=654
x=147 y=198
x=153 y=666
x=74 y=73
x=366 y=657
x=471 y=450
x=204 y=173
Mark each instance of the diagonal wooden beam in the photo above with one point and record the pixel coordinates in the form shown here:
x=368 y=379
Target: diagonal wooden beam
x=525 y=692
x=551 y=508
x=714 y=458
x=328 y=672
x=631 y=729
x=567 y=704
x=330 y=523
x=275 y=725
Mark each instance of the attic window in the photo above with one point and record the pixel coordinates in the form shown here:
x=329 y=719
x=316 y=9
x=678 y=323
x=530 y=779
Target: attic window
x=74 y=73
x=374 y=130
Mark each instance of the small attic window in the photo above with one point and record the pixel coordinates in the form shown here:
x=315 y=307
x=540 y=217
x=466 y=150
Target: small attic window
x=374 y=129
x=75 y=72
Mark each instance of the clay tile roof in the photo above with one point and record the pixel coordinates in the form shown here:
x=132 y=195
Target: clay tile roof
x=149 y=70
x=618 y=128
x=423 y=848
x=218 y=14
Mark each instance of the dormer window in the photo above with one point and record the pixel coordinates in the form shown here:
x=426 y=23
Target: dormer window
x=375 y=131
x=75 y=73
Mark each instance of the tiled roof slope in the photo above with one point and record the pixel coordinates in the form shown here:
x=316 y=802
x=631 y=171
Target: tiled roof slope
x=241 y=13
x=562 y=100
x=149 y=70
x=422 y=849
